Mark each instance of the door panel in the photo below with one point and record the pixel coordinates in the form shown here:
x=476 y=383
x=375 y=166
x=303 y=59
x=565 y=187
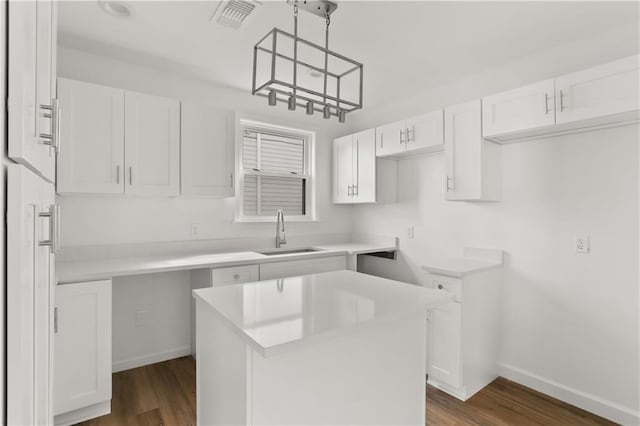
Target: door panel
x=426 y=131
x=390 y=138
x=463 y=150
x=207 y=150
x=521 y=109
x=152 y=145
x=92 y=133
x=365 y=174
x=444 y=343
x=343 y=174
x=607 y=89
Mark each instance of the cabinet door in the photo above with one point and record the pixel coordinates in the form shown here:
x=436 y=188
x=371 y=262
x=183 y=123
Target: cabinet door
x=152 y=145
x=521 y=109
x=600 y=91
x=426 y=131
x=444 y=343
x=365 y=163
x=30 y=94
x=463 y=151
x=92 y=133
x=391 y=138
x=29 y=297
x=82 y=349
x=292 y=268
x=343 y=178
x=207 y=150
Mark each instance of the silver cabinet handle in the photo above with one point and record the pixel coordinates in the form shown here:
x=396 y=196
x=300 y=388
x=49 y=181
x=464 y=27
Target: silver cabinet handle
x=349 y=190
x=51 y=112
x=546 y=104
x=356 y=191
x=381 y=140
x=236 y=276
x=411 y=133
x=401 y=136
x=449 y=187
x=53 y=214
x=55 y=319
x=118 y=174
x=561 y=101
x=440 y=286
x=130 y=175
x=231 y=180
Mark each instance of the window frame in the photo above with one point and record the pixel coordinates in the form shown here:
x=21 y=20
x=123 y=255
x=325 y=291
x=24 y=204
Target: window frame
x=308 y=138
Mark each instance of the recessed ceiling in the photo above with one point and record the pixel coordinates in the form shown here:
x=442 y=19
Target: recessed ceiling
x=405 y=46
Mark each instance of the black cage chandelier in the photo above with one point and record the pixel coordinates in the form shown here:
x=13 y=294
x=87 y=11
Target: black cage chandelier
x=287 y=68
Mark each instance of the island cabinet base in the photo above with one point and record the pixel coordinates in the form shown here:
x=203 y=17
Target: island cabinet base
x=371 y=375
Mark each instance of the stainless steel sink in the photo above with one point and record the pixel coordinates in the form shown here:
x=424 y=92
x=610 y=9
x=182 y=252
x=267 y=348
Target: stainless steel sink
x=275 y=252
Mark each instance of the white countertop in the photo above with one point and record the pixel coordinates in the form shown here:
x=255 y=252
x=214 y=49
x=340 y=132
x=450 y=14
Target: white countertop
x=277 y=315
x=88 y=270
x=459 y=267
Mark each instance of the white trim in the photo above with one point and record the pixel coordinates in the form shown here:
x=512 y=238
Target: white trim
x=82 y=414
x=127 y=364
x=594 y=404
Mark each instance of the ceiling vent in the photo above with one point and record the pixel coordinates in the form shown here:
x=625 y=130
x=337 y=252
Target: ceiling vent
x=233 y=13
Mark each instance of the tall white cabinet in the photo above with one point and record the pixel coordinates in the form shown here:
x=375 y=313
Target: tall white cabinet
x=472 y=163
x=32 y=105
x=82 y=351
x=207 y=150
x=92 y=127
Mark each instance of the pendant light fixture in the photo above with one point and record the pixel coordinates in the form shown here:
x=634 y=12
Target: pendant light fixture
x=287 y=68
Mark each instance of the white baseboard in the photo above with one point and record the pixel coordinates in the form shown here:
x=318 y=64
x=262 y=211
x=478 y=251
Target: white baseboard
x=127 y=364
x=83 y=414
x=594 y=404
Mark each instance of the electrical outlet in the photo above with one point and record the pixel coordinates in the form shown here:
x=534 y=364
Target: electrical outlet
x=195 y=230
x=410 y=232
x=582 y=244
x=141 y=318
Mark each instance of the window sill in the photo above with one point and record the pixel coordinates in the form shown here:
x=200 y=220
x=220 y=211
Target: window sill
x=273 y=219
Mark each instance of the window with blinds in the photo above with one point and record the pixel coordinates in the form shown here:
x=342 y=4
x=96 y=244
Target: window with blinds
x=275 y=172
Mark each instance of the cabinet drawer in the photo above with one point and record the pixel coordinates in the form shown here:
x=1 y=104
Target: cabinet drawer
x=234 y=275
x=292 y=268
x=448 y=284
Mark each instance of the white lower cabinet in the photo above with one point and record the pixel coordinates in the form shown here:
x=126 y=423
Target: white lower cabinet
x=292 y=268
x=82 y=351
x=463 y=335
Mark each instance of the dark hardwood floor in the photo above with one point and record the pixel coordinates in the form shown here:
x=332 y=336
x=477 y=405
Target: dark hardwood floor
x=165 y=394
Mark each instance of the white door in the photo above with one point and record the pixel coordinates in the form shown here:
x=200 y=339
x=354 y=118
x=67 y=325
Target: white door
x=391 y=138
x=444 y=344
x=463 y=151
x=31 y=229
x=521 y=109
x=32 y=111
x=82 y=345
x=343 y=169
x=152 y=145
x=425 y=131
x=365 y=166
x=608 y=89
x=207 y=150
x=92 y=134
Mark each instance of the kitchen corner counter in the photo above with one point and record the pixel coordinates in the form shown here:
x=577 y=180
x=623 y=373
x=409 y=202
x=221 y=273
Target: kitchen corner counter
x=98 y=269
x=473 y=260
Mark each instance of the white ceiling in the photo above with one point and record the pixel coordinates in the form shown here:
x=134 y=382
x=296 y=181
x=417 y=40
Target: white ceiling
x=405 y=46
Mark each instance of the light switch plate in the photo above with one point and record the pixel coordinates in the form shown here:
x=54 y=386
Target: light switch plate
x=582 y=244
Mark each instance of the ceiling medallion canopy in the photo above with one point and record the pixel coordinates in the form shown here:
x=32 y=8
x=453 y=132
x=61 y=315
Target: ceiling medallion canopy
x=295 y=71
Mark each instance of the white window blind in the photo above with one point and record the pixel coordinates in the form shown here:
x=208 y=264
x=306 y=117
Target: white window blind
x=275 y=175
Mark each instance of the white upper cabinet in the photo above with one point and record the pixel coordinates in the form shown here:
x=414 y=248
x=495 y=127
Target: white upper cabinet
x=601 y=91
x=32 y=106
x=524 y=108
x=604 y=95
x=92 y=128
x=472 y=164
x=422 y=133
x=207 y=150
x=152 y=145
x=390 y=139
x=358 y=177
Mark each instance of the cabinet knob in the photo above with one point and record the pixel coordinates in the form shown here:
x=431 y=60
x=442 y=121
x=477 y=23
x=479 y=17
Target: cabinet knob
x=236 y=276
x=440 y=286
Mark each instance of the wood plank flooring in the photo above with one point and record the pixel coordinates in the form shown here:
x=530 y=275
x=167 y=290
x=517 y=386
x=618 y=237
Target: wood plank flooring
x=165 y=394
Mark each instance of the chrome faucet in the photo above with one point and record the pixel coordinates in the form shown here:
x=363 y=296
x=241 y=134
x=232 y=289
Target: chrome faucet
x=280 y=240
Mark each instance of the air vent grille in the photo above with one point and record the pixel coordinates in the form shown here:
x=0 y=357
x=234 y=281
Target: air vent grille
x=233 y=13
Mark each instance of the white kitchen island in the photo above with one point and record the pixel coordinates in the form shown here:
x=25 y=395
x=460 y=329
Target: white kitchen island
x=332 y=348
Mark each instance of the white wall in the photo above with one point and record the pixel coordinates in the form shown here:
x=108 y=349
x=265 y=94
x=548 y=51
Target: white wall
x=571 y=321
x=123 y=220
